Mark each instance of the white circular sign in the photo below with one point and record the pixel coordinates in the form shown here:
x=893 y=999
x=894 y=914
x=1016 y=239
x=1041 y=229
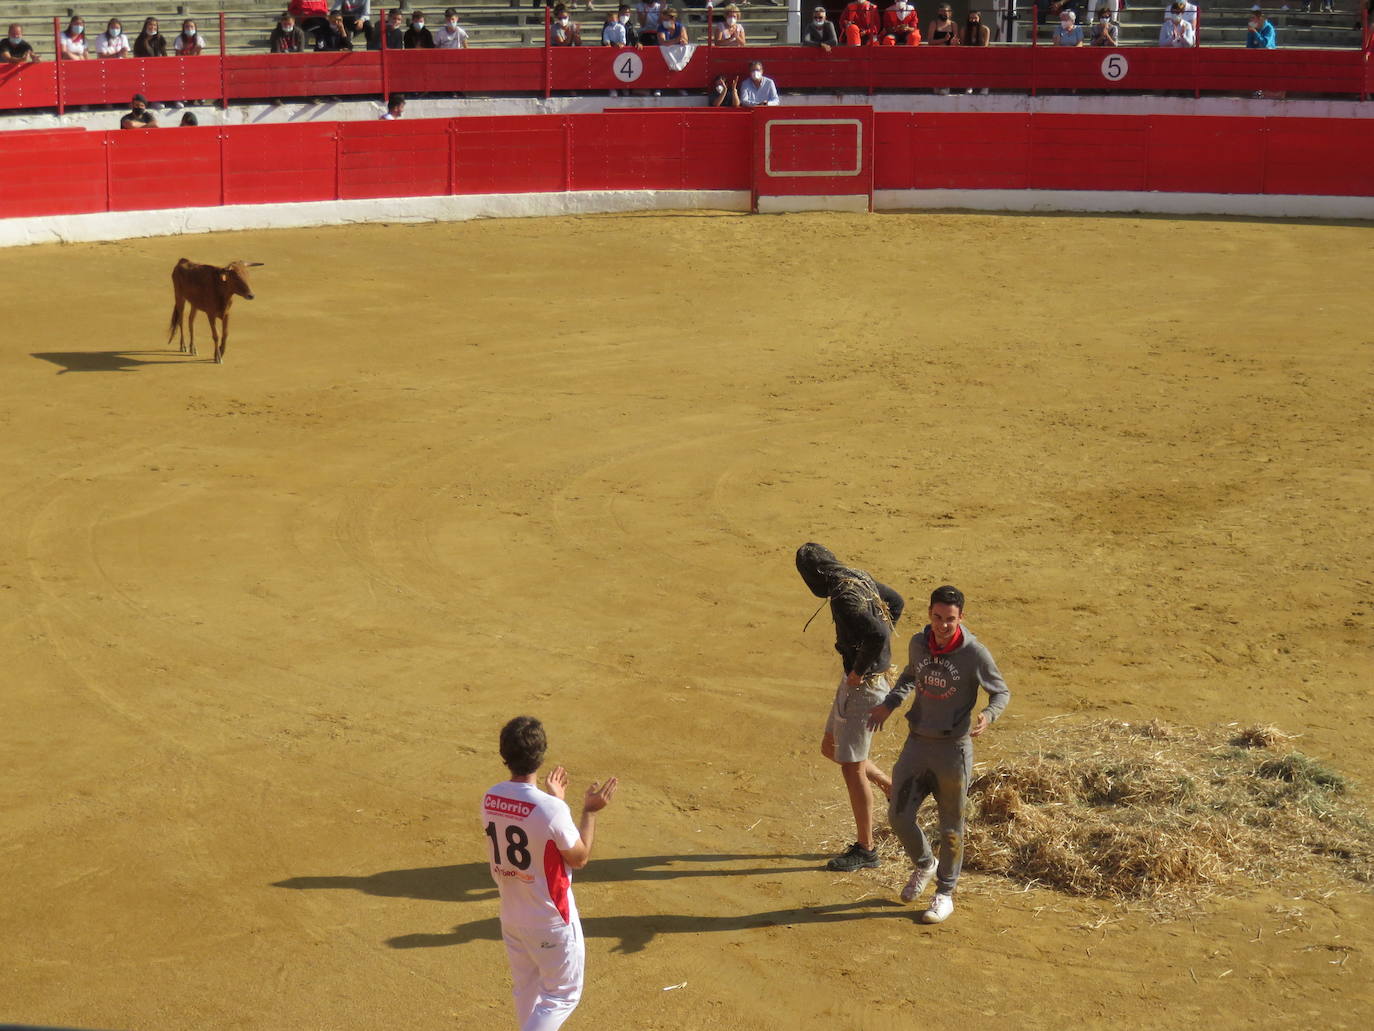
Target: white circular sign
x=627 y=66
x=1114 y=67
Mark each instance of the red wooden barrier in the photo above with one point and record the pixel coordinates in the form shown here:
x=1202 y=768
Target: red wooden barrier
x=72 y=171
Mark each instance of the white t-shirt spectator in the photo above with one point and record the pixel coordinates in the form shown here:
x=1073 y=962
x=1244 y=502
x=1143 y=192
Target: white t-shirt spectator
x=450 y=39
x=111 y=46
x=73 y=47
x=527 y=831
x=1176 y=34
x=651 y=10
x=182 y=43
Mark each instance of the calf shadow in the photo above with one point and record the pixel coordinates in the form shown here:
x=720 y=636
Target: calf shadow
x=109 y=361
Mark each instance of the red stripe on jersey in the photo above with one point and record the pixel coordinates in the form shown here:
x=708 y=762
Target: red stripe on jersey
x=556 y=873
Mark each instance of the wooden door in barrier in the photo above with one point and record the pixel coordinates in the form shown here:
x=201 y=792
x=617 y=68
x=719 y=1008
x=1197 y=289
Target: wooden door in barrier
x=813 y=158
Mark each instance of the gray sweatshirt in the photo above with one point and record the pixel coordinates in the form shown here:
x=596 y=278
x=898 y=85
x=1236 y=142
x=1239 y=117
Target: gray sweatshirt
x=947 y=686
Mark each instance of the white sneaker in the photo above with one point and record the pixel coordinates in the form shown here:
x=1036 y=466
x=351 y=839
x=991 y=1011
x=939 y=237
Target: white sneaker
x=941 y=906
x=916 y=884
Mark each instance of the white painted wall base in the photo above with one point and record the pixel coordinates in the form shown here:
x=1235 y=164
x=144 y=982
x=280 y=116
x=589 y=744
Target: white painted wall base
x=841 y=202
x=123 y=225
x=1128 y=201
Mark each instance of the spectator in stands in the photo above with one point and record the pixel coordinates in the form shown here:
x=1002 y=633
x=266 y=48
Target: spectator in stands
x=189 y=119
x=418 y=37
x=15 y=49
x=334 y=36
x=1105 y=31
x=648 y=13
x=730 y=33
x=311 y=15
x=189 y=42
x=671 y=31
x=357 y=16
x=820 y=32
x=861 y=24
x=1189 y=12
x=1260 y=35
x=724 y=92
x=617 y=32
x=1176 y=31
x=394 y=33
x=758 y=90
x=112 y=42
x=72 y=42
x=1069 y=33
x=395 y=107
x=287 y=37
x=901 y=25
x=942 y=31
x=976 y=34
x=563 y=31
x=150 y=42
x=139 y=117
x=450 y=35
x=1048 y=9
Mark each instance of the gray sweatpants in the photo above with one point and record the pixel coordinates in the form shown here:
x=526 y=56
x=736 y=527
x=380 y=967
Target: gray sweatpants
x=941 y=767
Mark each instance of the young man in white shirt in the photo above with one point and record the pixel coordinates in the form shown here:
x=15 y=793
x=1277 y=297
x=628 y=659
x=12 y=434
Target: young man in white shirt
x=450 y=35
x=533 y=845
x=758 y=90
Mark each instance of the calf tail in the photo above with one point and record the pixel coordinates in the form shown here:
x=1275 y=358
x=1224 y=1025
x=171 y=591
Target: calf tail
x=176 y=321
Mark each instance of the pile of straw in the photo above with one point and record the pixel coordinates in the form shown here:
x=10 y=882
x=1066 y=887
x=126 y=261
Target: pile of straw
x=1115 y=810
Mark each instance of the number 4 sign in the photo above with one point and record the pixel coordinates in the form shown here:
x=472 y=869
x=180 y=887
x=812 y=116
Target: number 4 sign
x=627 y=66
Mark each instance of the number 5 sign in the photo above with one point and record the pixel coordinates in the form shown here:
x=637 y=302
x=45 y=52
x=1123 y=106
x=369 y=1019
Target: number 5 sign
x=1114 y=68
x=626 y=66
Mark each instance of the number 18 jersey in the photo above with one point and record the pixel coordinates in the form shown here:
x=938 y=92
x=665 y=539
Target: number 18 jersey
x=525 y=829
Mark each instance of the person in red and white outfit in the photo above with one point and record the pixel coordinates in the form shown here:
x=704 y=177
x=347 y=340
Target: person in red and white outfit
x=861 y=24
x=902 y=25
x=533 y=845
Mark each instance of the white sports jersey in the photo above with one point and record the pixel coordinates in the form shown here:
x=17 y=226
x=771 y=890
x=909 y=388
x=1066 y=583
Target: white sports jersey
x=525 y=829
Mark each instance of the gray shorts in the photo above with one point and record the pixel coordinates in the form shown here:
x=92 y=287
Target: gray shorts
x=848 y=722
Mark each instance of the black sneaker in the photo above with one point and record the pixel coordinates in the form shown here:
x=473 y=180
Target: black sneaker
x=855 y=857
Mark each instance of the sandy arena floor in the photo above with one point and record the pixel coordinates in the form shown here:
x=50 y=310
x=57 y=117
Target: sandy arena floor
x=262 y=622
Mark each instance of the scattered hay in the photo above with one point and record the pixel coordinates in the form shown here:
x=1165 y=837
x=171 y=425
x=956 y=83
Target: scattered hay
x=1260 y=737
x=1109 y=810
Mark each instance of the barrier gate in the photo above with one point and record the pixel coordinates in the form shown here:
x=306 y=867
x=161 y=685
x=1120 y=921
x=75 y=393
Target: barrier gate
x=813 y=159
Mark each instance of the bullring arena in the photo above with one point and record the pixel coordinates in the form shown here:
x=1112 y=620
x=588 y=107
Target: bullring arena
x=264 y=620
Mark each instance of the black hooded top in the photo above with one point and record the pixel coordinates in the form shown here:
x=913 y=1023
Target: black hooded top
x=865 y=611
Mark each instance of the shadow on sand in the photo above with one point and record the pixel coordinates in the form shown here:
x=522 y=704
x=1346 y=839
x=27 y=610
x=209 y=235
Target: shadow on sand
x=111 y=361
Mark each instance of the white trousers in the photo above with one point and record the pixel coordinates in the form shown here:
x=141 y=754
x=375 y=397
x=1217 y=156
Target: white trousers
x=546 y=965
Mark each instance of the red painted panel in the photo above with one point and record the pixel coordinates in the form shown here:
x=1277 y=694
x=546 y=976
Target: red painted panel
x=28 y=85
x=1292 y=71
x=514 y=154
x=643 y=150
x=394 y=159
x=260 y=76
x=592 y=68
x=1326 y=157
x=718 y=148
x=486 y=70
x=1087 y=152
x=894 y=151
x=791 y=160
x=60 y=173
x=268 y=164
x=970 y=151
x=174 y=169
x=1205 y=155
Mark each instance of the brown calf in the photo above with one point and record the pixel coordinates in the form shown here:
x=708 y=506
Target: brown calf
x=210 y=289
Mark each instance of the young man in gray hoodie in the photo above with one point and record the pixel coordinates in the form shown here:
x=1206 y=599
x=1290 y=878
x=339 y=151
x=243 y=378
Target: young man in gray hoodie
x=946 y=665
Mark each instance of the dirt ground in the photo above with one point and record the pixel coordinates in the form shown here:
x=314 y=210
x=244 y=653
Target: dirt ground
x=263 y=621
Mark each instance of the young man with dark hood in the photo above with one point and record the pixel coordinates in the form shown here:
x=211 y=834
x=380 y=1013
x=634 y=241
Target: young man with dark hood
x=865 y=611
x=946 y=665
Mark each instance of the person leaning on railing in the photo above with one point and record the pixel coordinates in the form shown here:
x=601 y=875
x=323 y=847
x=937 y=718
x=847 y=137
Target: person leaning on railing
x=287 y=37
x=671 y=31
x=150 y=42
x=189 y=42
x=1106 y=31
x=730 y=32
x=821 y=32
x=15 y=49
x=72 y=43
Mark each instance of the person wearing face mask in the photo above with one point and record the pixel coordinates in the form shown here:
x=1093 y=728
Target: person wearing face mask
x=730 y=33
x=393 y=33
x=648 y=13
x=1069 y=33
x=15 y=49
x=1176 y=31
x=758 y=90
x=1106 y=31
x=287 y=37
x=1260 y=34
x=418 y=37
x=139 y=117
x=901 y=25
x=861 y=24
x=563 y=31
x=450 y=35
x=976 y=34
x=943 y=31
x=112 y=42
x=150 y=42
x=671 y=31
x=617 y=32
x=821 y=32
x=724 y=92
x=72 y=42
x=189 y=42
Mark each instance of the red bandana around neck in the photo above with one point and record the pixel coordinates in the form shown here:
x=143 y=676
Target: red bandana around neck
x=954 y=642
